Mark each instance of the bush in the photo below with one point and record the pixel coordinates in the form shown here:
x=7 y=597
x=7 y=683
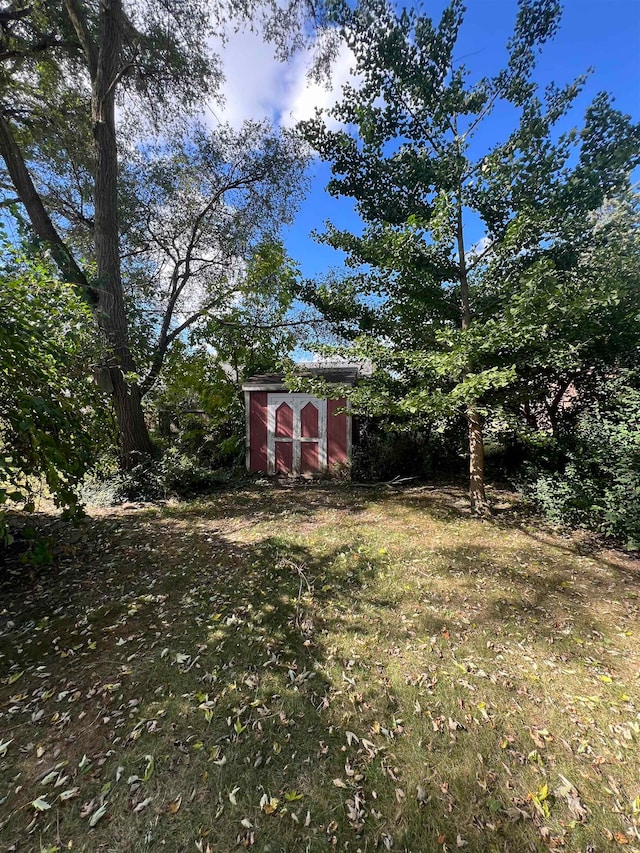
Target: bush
x=173 y=474
x=47 y=400
x=598 y=485
x=199 y=410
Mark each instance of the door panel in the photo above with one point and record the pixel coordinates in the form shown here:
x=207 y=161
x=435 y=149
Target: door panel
x=284 y=457
x=309 y=421
x=284 y=421
x=296 y=434
x=309 y=462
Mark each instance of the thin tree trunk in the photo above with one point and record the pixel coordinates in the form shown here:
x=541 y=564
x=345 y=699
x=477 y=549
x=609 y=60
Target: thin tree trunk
x=476 y=462
x=134 y=437
x=477 y=494
x=553 y=405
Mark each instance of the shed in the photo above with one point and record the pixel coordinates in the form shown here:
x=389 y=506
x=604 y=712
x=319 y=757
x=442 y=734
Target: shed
x=296 y=433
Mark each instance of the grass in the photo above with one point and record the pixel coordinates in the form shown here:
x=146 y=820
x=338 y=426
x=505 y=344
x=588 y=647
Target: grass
x=320 y=668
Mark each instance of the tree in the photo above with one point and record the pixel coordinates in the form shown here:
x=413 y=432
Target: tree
x=67 y=66
x=449 y=223
x=201 y=239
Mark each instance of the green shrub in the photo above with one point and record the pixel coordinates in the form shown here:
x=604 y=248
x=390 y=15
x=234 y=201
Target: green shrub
x=173 y=474
x=598 y=486
x=48 y=402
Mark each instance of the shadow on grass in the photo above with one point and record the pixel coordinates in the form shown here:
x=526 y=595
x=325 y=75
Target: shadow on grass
x=265 y=678
x=215 y=658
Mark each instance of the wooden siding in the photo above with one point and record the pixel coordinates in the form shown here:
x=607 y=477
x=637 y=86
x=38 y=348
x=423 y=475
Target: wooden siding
x=309 y=438
x=258 y=431
x=337 y=434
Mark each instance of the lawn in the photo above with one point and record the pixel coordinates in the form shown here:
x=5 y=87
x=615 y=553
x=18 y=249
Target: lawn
x=320 y=668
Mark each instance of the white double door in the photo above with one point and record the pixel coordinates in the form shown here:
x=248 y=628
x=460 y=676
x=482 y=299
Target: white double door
x=296 y=434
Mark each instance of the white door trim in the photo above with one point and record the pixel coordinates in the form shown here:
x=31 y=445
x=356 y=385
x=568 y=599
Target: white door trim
x=297 y=402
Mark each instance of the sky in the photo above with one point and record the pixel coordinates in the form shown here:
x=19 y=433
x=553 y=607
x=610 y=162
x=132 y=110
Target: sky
x=599 y=34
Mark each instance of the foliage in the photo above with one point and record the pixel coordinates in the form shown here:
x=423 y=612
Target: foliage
x=203 y=217
x=48 y=404
x=466 y=249
x=598 y=484
x=199 y=408
x=568 y=322
x=68 y=65
x=385 y=450
x=173 y=473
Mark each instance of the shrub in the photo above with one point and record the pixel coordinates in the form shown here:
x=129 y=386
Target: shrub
x=47 y=399
x=383 y=451
x=173 y=474
x=598 y=486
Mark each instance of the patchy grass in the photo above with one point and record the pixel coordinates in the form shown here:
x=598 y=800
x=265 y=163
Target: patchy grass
x=320 y=668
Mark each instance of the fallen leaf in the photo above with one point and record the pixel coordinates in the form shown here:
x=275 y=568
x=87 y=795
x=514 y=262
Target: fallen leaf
x=292 y=796
x=148 y=773
x=98 y=815
x=569 y=792
x=142 y=805
x=270 y=806
x=69 y=795
x=174 y=806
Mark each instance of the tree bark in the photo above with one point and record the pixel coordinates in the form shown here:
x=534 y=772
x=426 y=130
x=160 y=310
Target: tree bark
x=476 y=462
x=477 y=494
x=135 y=443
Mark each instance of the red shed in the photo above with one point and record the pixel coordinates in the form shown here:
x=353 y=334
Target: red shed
x=293 y=433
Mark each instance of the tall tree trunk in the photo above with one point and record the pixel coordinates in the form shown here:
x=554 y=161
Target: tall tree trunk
x=134 y=437
x=476 y=462
x=477 y=494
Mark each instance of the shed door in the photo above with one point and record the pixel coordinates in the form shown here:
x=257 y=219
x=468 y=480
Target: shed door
x=296 y=434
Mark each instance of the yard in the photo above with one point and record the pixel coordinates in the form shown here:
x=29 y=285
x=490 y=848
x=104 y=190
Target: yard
x=320 y=668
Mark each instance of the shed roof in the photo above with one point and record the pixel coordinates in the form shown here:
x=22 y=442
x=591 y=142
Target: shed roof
x=275 y=381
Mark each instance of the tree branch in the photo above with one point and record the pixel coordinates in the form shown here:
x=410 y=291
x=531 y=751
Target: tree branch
x=38 y=216
x=46 y=43
x=79 y=22
x=476 y=260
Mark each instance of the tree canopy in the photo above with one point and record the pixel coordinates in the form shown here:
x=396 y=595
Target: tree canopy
x=461 y=242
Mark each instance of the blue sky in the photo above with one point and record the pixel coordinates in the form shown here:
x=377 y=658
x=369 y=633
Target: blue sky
x=602 y=34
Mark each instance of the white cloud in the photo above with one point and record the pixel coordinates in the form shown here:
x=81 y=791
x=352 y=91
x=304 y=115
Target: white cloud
x=304 y=96
x=478 y=249
x=257 y=86
x=252 y=79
